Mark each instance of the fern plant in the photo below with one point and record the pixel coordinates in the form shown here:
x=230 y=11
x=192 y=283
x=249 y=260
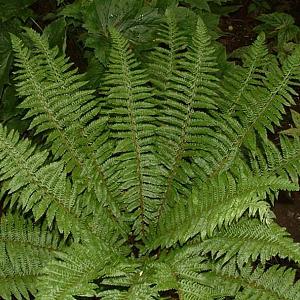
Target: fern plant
x=160 y=188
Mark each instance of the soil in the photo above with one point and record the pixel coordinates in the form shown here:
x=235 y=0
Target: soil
x=238 y=29
x=287 y=211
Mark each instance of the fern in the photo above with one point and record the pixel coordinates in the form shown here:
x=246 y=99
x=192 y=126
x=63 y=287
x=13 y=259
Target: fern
x=25 y=250
x=81 y=151
x=248 y=239
x=184 y=127
x=131 y=111
x=73 y=270
x=217 y=204
x=238 y=80
x=160 y=187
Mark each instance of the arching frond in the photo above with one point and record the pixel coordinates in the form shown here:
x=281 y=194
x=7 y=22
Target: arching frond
x=185 y=120
x=60 y=106
x=74 y=271
x=259 y=283
x=238 y=80
x=251 y=239
x=164 y=61
x=216 y=205
x=269 y=284
x=199 y=276
x=25 y=250
x=283 y=161
x=41 y=188
x=262 y=108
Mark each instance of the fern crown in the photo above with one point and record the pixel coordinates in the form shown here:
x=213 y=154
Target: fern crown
x=159 y=187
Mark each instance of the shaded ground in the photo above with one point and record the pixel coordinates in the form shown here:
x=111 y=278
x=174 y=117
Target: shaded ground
x=238 y=29
x=287 y=211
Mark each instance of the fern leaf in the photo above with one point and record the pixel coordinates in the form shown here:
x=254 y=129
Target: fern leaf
x=277 y=93
x=215 y=205
x=185 y=122
x=35 y=186
x=164 y=61
x=58 y=104
x=25 y=249
x=258 y=117
x=195 y=273
x=283 y=162
x=251 y=239
x=260 y=283
x=73 y=272
x=131 y=111
x=238 y=80
x=194 y=277
x=269 y=284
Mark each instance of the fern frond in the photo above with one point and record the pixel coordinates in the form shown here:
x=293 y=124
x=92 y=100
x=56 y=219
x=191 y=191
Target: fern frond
x=221 y=154
x=258 y=284
x=196 y=273
x=265 y=106
x=251 y=239
x=25 y=249
x=238 y=80
x=164 y=61
x=35 y=186
x=283 y=161
x=262 y=109
x=194 y=280
x=269 y=284
x=131 y=112
x=58 y=104
x=73 y=272
x=185 y=120
x=218 y=204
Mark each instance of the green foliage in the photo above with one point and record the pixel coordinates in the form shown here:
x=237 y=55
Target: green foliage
x=25 y=250
x=134 y=18
x=282 y=28
x=15 y=8
x=13 y=15
x=248 y=239
x=161 y=185
x=259 y=6
x=137 y=20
